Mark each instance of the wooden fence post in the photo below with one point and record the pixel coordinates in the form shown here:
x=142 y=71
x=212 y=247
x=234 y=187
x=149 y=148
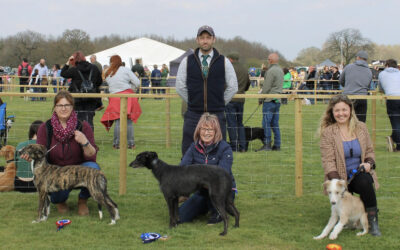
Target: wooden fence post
x=123 y=118
x=168 y=120
x=298 y=124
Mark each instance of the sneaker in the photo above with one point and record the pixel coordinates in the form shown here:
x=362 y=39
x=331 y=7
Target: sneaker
x=390 y=143
x=132 y=147
x=214 y=219
x=115 y=147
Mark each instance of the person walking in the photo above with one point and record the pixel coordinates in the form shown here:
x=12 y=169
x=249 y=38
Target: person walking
x=389 y=83
x=24 y=71
x=206 y=81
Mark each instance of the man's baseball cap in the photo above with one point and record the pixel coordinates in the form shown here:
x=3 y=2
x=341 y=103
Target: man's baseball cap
x=206 y=28
x=362 y=54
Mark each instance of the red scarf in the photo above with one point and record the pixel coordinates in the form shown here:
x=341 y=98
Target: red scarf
x=61 y=134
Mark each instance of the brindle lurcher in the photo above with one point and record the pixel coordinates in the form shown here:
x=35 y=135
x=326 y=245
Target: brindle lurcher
x=50 y=178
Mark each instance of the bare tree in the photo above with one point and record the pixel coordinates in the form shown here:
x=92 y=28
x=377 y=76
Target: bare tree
x=309 y=56
x=74 y=40
x=344 y=45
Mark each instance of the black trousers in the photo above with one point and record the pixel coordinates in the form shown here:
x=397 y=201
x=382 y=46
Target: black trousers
x=360 y=107
x=85 y=115
x=190 y=120
x=362 y=184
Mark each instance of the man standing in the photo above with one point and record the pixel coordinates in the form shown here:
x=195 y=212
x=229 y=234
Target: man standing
x=206 y=81
x=93 y=60
x=138 y=69
x=272 y=85
x=156 y=79
x=24 y=71
x=389 y=83
x=234 y=109
x=355 y=79
x=42 y=68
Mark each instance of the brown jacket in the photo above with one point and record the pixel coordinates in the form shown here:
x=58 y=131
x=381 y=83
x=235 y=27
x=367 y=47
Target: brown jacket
x=332 y=152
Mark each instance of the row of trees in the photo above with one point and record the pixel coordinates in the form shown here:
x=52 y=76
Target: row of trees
x=34 y=46
x=340 y=47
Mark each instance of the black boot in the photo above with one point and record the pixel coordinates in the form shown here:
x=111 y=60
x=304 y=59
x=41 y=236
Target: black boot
x=372 y=213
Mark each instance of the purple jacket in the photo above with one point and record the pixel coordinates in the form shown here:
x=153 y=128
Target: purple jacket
x=70 y=152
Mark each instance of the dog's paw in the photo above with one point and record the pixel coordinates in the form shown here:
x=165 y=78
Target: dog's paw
x=332 y=236
x=362 y=233
x=113 y=222
x=35 y=221
x=318 y=237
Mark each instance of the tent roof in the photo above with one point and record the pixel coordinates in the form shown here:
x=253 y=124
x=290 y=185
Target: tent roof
x=327 y=62
x=150 y=51
x=180 y=58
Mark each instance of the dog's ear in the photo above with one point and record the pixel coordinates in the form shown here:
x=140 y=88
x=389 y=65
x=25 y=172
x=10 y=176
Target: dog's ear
x=326 y=184
x=342 y=184
x=153 y=155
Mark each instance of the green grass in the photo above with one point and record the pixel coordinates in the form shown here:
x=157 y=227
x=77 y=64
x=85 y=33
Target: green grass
x=271 y=216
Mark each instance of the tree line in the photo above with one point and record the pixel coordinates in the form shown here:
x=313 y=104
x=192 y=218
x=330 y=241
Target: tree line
x=34 y=46
x=340 y=47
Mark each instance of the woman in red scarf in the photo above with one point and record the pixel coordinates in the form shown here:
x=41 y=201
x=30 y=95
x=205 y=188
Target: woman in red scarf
x=121 y=80
x=71 y=143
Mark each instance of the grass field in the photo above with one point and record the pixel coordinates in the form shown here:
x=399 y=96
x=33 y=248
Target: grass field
x=272 y=217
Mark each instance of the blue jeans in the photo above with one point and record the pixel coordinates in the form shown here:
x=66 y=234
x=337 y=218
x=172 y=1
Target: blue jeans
x=271 y=121
x=198 y=204
x=393 y=111
x=234 y=120
x=61 y=196
x=131 y=140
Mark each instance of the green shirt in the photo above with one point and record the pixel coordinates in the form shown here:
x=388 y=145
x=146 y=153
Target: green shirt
x=23 y=167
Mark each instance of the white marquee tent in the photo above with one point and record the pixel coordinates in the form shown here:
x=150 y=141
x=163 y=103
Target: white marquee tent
x=149 y=51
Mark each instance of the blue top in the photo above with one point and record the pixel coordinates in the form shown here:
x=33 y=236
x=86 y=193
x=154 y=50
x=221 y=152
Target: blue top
x=353 y=159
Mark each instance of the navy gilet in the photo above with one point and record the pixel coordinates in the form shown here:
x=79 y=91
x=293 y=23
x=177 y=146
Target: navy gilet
x=206 y=94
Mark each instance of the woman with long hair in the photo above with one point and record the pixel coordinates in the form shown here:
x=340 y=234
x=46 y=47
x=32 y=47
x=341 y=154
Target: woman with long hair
x=347 y=153
x=121 y=80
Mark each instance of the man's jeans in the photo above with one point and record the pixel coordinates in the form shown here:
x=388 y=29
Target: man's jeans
x=393 y=111
x=61 y=196
x=271 y=121
x=234 y=120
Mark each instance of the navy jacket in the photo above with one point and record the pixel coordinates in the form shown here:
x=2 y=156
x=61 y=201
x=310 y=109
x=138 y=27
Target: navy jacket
x=206 y=94
x=219 y=154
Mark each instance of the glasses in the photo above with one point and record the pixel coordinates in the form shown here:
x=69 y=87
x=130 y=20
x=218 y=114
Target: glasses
x=209 y=130
x=64 y=106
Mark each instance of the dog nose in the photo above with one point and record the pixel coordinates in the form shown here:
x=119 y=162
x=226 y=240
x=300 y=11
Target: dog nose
x=333 y=202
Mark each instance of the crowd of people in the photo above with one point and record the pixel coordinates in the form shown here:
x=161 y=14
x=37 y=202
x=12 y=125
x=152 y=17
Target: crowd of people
x=207 y=81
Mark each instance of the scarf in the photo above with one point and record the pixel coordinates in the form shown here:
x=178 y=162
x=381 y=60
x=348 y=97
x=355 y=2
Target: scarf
x=61 y=134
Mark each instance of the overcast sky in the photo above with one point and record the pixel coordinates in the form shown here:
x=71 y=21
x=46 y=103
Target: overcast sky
x=283 y=25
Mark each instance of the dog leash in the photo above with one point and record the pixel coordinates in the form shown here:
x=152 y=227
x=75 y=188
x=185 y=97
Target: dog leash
x=251 y=115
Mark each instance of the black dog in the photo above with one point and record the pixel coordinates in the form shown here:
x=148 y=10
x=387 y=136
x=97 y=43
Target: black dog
x=176 y=181
x=253 y=133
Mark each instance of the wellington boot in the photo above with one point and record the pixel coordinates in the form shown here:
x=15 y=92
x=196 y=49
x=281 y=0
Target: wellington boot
x=372 y=214
x=83 y=209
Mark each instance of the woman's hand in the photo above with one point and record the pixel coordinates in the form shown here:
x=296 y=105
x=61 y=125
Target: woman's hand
x=366 y=166
x=80 y=137
x=70 y=59
x=25 y=157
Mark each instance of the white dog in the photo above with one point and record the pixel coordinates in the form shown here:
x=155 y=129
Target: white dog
x=345 y=207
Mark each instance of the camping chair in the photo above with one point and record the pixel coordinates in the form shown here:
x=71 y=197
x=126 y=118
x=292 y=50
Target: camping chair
x=5 y=123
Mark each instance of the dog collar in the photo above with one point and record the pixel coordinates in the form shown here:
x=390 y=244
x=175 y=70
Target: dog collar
x=154 y=162
x=9 y=161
